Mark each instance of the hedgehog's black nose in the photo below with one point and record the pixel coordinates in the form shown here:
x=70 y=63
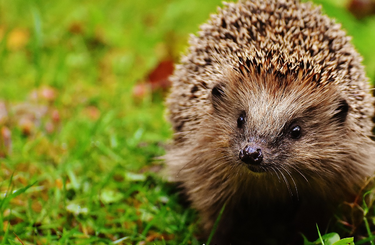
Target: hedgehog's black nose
x=251 y=155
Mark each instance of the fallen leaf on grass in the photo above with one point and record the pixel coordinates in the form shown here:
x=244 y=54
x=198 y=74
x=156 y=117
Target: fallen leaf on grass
x=362 y=8
x=157 y=80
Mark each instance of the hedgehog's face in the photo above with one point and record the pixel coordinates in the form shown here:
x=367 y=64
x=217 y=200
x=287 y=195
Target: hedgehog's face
x=280 y=129
x=254 y=145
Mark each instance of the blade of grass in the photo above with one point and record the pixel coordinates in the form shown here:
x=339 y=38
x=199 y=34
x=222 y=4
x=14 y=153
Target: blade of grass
x=8 y=191
x=6 y=234
x=215 y=225
x=365 y=212
x=320 y=236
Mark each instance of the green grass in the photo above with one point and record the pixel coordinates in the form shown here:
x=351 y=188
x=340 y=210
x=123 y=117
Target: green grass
x=81 y=169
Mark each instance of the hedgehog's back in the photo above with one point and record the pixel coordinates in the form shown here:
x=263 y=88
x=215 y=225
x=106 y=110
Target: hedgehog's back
x=290 y=37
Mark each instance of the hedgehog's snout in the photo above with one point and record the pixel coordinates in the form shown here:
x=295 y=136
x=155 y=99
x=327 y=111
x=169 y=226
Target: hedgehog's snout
x=251 y=155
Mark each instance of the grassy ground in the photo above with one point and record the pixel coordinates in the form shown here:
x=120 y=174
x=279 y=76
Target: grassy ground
x=76 y=142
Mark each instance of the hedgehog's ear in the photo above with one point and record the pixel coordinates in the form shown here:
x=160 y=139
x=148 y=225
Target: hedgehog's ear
x=341 y=112
x=217 y=94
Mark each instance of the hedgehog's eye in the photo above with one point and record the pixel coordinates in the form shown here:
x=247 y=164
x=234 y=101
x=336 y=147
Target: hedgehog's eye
x=295 y=132
x=241 y=120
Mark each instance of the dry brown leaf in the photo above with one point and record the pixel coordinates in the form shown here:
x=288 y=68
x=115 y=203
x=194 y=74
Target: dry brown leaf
x=362 y=8
x=159 y=77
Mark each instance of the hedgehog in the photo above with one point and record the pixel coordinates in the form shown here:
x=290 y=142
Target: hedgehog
x=272 y=116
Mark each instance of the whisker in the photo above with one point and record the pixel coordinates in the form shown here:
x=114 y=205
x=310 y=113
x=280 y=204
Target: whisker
x=286 y=182
x=274 y=170
x=291 y=177
x=303 y=176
